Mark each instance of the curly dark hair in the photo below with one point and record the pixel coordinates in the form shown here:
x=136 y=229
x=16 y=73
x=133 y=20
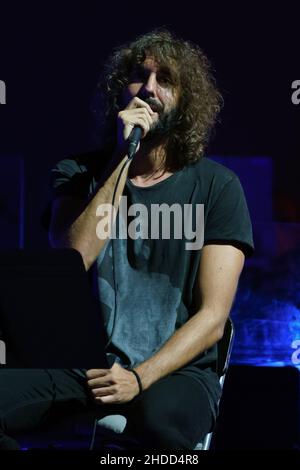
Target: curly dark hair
x=199 y=99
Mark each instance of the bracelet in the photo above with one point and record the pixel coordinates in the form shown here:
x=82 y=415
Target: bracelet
x=138 y=379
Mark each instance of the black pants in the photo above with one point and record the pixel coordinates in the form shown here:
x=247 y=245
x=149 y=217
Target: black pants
x=174 y=413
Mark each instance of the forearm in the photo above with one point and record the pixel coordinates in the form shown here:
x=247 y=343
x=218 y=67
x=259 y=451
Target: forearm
x=198 y=334
x=81 y=233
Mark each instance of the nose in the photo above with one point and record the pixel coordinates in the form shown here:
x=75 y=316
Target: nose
x=150 y=85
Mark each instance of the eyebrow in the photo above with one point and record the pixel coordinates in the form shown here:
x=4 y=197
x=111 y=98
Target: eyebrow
x=138 y=68
x=163 y=69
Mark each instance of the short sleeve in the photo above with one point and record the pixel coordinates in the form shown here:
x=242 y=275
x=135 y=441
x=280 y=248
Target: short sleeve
x=228 y=219
x=68 y=178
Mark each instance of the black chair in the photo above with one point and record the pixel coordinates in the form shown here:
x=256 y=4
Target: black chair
x=224 y=352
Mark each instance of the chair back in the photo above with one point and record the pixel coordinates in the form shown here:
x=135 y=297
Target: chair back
x=224 y=349
x=224 y=352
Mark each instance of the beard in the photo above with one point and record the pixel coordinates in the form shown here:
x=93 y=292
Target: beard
x=167 y=121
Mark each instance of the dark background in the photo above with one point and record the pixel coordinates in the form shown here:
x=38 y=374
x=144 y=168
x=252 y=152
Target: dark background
x=51 y=56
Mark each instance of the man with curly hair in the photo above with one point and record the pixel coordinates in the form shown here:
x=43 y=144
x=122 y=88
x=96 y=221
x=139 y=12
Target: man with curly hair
x=164 y=306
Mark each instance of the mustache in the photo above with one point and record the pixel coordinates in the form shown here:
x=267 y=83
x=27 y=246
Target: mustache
x=155 y=105
x=164 y=126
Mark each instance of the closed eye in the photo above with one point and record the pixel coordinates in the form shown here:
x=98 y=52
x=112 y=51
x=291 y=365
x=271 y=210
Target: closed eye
x=164 y=79
x=138 y=75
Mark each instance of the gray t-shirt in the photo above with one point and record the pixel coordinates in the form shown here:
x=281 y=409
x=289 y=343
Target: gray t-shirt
x=145 y=287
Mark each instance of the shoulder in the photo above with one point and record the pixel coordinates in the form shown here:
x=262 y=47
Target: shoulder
x=77 y=174
x=212 y=178
x=211 y=171
x=89 y=162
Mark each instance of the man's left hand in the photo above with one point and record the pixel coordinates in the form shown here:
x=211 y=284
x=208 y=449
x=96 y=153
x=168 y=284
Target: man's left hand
x=115 y=385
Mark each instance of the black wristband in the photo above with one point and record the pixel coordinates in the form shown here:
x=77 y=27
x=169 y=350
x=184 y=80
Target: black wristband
x=138 y=379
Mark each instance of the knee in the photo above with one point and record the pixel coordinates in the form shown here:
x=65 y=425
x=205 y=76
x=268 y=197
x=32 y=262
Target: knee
x=166 y=438
x=156 y=433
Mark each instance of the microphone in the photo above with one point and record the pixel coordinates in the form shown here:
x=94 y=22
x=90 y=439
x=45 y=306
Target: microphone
x=134 y=140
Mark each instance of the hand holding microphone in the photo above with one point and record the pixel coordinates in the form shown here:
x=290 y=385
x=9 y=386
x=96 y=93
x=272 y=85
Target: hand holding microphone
x=134 y=122
x=134 y=141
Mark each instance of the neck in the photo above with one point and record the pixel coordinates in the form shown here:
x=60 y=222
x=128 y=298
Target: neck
x=148 y=163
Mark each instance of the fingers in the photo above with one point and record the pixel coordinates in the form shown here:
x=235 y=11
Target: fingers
x=100 y=382
x=138 y=103
x=94 y=373
x=137 y=113
x=104 y=389
x=109 y=400
x=109 y=395
x=102 y=392
x=99 y=378
x=115 y=385
x=136 y=117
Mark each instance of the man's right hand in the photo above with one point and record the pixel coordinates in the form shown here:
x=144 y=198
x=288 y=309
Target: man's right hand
x=136 y=113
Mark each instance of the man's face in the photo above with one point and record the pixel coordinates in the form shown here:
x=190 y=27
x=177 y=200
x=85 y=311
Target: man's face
x=154 y=85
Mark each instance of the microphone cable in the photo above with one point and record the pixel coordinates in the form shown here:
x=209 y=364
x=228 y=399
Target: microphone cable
x=95 y=424
x=113 y=253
